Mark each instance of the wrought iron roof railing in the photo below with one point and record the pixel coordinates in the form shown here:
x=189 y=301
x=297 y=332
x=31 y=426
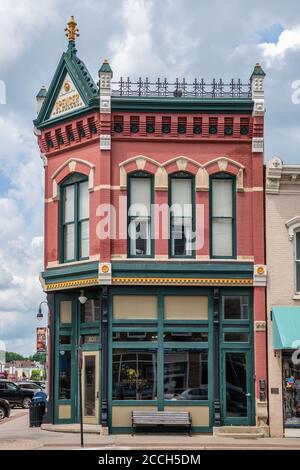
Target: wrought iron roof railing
x=180 y=88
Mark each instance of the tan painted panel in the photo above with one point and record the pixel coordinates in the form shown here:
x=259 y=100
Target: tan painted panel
x=185 y=307
x=135 y=307
x=64 y=411
x=65 y=308
x=199 y=414
x=121 y=415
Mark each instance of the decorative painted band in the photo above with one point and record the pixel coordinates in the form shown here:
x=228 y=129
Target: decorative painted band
x=148 y=281
x=75 y=283
x=179 y=281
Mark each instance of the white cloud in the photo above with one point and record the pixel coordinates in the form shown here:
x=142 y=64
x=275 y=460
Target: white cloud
x=133 y=48
x=21 y=241
x=21 y=21
x=273 y=53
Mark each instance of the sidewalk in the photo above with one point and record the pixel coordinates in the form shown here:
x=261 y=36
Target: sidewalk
x=16 y=434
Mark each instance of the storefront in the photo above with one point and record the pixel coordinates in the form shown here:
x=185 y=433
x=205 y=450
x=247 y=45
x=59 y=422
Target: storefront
x=156 y=348
x=286 y=340
x=291 y=390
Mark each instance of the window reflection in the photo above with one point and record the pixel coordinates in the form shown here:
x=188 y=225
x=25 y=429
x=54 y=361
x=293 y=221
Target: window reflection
x=291 y=392
x=64 y=389
x=185 y=375
x=236 y=307
x=134 y=375
x=236 y=384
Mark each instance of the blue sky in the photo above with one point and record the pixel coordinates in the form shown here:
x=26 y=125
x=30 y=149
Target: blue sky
x=174 y=38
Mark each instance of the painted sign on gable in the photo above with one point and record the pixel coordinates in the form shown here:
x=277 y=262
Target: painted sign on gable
x=68 y=99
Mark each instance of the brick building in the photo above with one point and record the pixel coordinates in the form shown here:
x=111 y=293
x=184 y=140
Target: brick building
x=283 y=296
x=154 y=246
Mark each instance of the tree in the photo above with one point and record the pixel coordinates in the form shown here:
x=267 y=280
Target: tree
x=12 y=356
x=38 y=357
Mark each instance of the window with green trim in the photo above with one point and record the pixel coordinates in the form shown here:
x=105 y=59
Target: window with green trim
x=75 y=218
x=181 y=215
x=159 y=357
x=139 y=215
x=222 y=216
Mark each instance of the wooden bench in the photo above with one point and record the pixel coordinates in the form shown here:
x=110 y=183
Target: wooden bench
x=159 y=419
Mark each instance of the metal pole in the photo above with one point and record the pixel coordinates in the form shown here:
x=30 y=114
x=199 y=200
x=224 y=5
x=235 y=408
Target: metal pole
x=80 y=389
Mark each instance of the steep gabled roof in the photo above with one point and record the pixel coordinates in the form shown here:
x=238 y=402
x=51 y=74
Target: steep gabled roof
x=69 y=65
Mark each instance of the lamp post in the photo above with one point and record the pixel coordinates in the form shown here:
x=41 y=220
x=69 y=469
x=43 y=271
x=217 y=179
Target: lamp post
x=82 y=299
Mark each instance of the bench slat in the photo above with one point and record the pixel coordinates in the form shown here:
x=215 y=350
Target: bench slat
x=156 y=418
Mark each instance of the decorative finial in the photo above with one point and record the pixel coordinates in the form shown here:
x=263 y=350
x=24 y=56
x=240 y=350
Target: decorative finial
x=71 y=31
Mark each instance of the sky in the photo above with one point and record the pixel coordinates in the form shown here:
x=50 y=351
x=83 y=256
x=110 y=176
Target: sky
x=154 y=38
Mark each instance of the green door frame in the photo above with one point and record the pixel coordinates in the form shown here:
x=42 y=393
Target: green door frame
x=238 y=421
x=244 y=325
x=74 y=329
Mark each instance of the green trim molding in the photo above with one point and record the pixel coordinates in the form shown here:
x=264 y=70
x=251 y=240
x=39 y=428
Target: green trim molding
x=133 y=272
x=179 y=105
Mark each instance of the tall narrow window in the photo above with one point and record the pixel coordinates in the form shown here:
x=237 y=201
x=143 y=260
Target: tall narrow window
x=297 y=252
x=139 y=216
x=75 y=219
x=222 y=217
x=181 y=215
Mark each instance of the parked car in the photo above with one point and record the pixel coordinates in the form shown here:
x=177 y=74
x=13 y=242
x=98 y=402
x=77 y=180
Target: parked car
x=41 y=384
x=4 y=409
x=30 y=386
x=14 y=394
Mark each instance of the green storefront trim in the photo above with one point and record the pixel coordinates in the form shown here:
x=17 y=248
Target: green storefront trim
x=160 y=326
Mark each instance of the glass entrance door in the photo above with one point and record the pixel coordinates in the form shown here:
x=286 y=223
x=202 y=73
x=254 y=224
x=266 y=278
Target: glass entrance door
x=236 y=388
x=90 y=387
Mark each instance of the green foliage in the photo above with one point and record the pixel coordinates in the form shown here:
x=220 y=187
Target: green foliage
x=12 y=356
x=35 y=374
x=38 y=357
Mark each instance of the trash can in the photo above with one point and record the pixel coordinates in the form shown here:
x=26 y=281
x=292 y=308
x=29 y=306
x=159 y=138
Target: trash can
x=37 y=409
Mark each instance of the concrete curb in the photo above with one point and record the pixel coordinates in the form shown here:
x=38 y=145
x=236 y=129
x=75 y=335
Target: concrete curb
x=72 y=428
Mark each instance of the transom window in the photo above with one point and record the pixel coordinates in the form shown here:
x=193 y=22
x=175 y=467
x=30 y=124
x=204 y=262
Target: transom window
x=181 y=215
x=75 y=218
x=236 y=307
x=139 y=215
x=222 y=216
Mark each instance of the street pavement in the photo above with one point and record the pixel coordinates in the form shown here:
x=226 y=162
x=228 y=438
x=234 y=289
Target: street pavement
x=15 y=434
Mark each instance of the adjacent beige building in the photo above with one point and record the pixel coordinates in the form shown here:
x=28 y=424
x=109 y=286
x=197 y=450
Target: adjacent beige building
x=283 y=295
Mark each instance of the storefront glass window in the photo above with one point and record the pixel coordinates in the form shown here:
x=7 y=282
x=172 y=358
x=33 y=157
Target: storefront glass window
x=185 y=375
x=291 y=391
x=134 y=375
x=64 y=389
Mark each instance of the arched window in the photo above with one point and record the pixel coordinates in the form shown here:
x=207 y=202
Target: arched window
x=181 y=203
x=222 y=216
x=74 y=239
